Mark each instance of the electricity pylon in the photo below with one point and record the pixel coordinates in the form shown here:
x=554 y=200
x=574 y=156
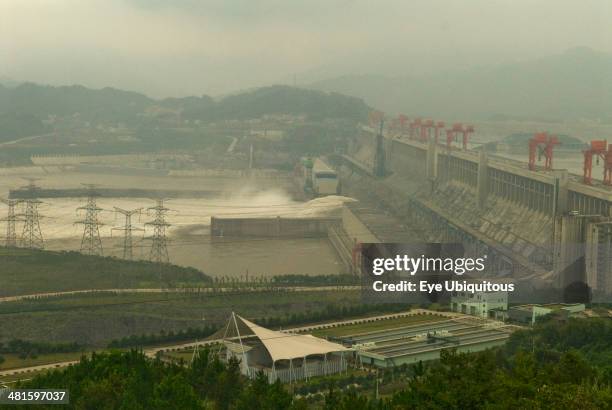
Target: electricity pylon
x=31 y=236
x=127 y=231
x=91 y=243
x=159 y=248
x=11 y=218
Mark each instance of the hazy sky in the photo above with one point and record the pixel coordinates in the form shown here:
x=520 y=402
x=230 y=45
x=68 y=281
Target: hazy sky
x=180 y=47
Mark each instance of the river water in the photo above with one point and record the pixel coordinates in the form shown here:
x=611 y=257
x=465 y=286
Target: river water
x=190 y=241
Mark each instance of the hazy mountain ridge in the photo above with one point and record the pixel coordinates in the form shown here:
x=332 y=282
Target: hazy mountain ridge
x=577 y=83
x=28 y=102
x=43 y=100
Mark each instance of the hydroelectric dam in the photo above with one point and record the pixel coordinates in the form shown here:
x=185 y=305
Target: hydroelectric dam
x=547 y=226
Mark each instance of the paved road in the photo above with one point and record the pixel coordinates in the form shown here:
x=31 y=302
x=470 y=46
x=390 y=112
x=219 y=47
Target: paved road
x=177 y=290
x=31 y=369
x=33 y=137
x=230 y=149
x=151 y=352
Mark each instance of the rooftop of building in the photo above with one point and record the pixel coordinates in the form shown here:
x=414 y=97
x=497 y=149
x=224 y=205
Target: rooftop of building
x=414 y=340
x=550 y=306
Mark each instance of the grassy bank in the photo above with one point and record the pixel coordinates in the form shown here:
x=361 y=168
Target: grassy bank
x=97 y=319
x=26 y=271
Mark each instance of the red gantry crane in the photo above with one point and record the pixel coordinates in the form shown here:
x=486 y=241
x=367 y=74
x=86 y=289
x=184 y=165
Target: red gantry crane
x=439 y=125
x=451 y=134
x=426 y=126
x=415 y=128
x=600 y=150
x=542 y=144
x=469 y=129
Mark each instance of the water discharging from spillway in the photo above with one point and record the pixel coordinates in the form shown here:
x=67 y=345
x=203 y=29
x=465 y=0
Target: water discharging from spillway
x=190 y=241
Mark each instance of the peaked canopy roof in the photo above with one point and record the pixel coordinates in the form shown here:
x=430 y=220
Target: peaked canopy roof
x=287 y=346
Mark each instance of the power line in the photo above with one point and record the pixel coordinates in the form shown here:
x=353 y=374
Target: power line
x=159 y=249
x=127 y=231
x=11 y=218
x=90 y=242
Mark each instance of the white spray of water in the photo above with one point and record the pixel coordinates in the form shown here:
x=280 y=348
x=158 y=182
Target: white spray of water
x=324 y=206
x=61 y=214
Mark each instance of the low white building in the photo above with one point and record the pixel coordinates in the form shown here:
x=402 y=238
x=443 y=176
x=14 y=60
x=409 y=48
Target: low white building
x=530 y=313
x=479 y=303
x=287 y=357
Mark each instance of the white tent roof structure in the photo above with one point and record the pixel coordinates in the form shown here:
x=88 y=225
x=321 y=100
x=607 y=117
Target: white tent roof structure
x=287 y=346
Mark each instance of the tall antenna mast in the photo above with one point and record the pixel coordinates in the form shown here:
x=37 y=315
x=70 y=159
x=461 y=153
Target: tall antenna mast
x=31 y=236
x=127 y=231
x=159 y=248
x=11 y=233
x=91 y=243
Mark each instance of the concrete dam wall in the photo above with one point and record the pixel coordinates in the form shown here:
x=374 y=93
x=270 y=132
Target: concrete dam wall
x=272 y=227
x=535 y=220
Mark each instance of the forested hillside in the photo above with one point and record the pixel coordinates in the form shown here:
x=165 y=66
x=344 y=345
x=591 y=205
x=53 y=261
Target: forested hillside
x=24 y=108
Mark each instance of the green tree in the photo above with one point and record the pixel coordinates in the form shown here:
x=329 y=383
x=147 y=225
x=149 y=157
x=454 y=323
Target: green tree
x=175 y=392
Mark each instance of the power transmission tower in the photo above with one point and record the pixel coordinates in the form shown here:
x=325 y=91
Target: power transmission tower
x=127 y=231
x=91 y=243
x=31 y=236
x=159 y=248
x=11 y=218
